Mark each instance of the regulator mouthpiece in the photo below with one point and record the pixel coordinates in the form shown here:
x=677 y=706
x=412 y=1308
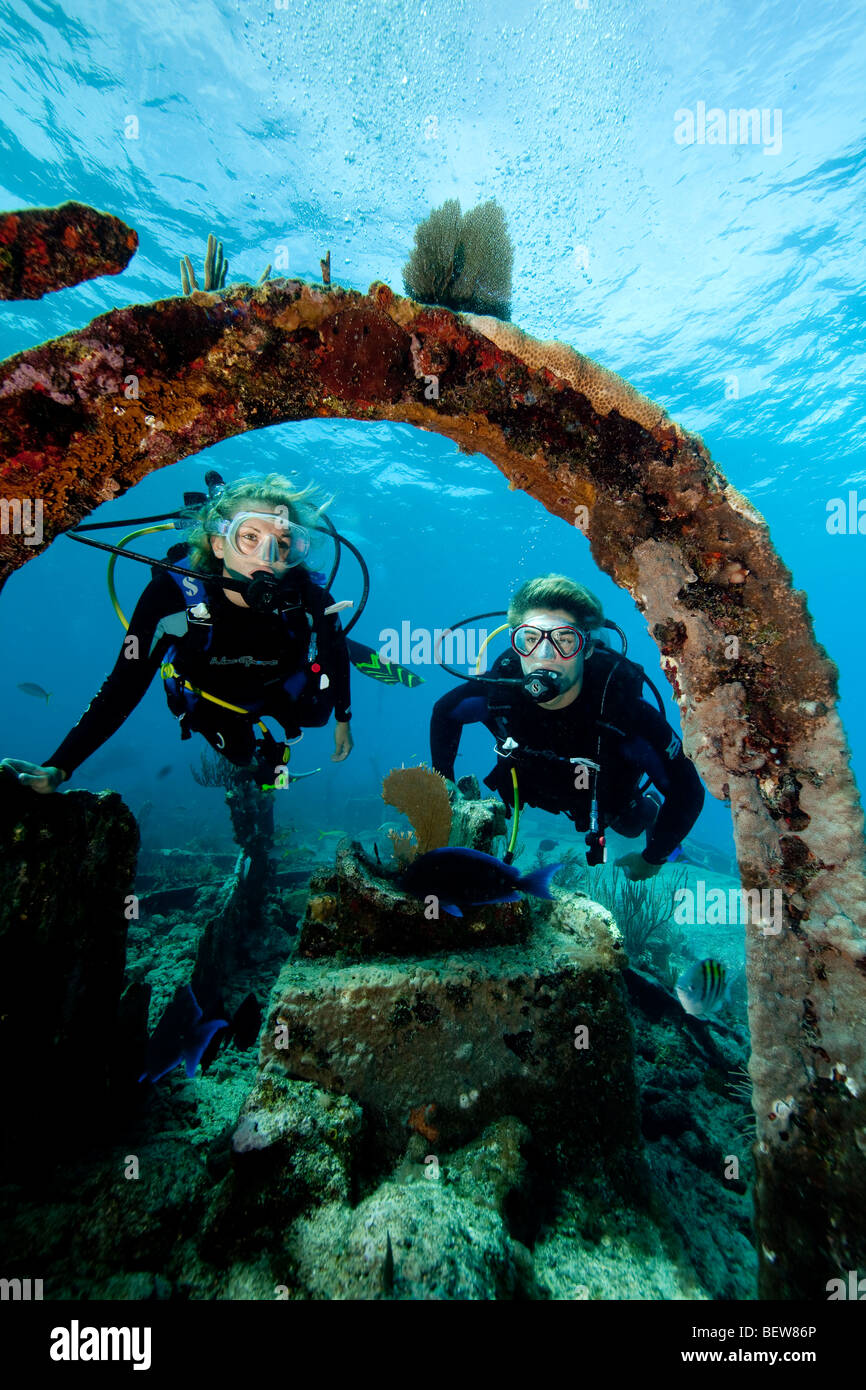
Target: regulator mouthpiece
x=542 y=685
x=269 y=593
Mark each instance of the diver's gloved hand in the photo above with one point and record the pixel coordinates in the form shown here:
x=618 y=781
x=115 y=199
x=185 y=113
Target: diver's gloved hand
x=41 y=779
x=343 y=742
x=635 y=867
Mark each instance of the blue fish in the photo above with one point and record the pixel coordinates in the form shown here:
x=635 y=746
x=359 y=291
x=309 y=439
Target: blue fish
x=702 y=988
x=180 y=1036
x=243 y=1031
x=473 y=879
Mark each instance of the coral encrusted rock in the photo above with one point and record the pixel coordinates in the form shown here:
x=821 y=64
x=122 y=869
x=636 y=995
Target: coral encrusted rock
x=357 y=909
x=67 y=863
x=444 y=1045
x=44 y=249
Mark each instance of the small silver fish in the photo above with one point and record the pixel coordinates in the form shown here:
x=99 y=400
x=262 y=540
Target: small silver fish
x=28 y=688
x=702 y=988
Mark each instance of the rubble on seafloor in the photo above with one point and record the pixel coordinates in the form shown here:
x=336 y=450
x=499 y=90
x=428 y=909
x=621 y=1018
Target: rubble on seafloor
x=471 y=1121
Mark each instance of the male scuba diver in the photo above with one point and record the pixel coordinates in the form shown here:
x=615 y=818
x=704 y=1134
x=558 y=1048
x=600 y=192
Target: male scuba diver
x=573 y=733
x=240 y=629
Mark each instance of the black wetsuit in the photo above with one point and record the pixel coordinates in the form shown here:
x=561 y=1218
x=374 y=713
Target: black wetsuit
x=241 y=656
x=627 y=739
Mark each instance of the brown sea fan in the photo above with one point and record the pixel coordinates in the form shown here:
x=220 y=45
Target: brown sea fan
x=462 y=262
x=422 y=796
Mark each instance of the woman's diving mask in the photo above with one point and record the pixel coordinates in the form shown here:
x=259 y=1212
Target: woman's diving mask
x=268 y=538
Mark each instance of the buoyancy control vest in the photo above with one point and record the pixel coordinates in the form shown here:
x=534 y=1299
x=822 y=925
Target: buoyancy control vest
x=576 y=760
x=194 y=639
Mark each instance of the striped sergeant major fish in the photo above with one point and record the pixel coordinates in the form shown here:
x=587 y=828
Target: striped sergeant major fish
x=702 y=988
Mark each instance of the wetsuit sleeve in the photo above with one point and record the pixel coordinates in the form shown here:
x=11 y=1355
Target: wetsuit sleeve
x=658 y=751
x=334 y=655
x=465 y=704
x=125 y=685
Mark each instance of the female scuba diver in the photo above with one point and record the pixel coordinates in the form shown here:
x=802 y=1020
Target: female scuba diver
x=239 y=627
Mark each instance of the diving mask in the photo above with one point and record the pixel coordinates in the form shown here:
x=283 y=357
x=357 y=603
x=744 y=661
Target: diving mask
x=268 y=537
x=565 y=640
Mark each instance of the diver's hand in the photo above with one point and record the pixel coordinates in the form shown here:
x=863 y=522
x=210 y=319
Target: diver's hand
x=343 y=742
x=41 y=779
x=635 y=867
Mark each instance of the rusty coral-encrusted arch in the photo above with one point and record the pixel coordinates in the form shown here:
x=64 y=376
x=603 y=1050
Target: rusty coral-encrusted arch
x=756 y=692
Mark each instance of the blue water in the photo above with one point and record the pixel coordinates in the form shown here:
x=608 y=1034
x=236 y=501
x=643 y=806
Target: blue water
x=725 y=281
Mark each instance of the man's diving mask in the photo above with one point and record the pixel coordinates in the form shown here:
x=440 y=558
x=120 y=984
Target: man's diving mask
x=267 y=537
x=567 y=641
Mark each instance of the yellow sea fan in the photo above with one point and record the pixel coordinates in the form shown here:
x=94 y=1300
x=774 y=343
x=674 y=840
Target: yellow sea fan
x=422 y=796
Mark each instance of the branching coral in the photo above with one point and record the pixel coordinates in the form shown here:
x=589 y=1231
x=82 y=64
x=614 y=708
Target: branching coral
x=462 y=262
x=216 y=268
x=216 y=771
x=422 y=796
x=642 y=910
x=405 y=846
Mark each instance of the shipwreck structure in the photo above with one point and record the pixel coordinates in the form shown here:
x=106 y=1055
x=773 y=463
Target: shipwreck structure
x=757 y=694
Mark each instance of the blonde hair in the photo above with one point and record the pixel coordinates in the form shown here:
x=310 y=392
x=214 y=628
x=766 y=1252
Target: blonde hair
x=557 y=591
x=273 y=489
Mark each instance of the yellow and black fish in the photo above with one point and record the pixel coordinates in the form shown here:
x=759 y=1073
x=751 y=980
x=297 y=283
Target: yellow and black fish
x=368 y=661
x=702 y=988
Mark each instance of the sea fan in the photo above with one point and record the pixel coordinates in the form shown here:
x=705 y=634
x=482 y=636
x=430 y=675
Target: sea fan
x=217 y=771
x=462 y=262
x=643 y=909
x=422 y=796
